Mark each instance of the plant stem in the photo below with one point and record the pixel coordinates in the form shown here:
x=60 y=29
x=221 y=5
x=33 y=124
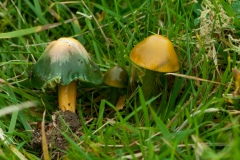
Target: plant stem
x=67 y=96
x=133 y=79
x=148 y=83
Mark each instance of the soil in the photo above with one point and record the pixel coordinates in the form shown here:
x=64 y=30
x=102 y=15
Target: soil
x=63 y=122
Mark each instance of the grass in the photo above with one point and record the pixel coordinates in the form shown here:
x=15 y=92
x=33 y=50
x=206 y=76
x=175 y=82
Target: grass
x=193 y=119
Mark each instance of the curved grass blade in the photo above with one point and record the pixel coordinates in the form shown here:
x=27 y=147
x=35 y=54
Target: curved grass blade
x=23 y=32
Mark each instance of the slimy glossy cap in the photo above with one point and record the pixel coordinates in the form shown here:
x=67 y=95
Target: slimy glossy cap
x=155 y=53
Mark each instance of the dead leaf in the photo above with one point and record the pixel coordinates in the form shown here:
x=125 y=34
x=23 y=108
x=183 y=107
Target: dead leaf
x=121 y=102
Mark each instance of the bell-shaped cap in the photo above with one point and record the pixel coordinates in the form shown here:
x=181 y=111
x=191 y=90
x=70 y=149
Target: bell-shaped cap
x=116 y=77
x=62 y=62
x=155 y=53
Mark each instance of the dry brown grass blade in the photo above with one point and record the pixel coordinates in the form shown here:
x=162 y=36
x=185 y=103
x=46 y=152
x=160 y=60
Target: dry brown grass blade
x=193 y=78
x=4 y=82
x=100 y=28
x=12 y=108
x=44 y=139
x=17 y=153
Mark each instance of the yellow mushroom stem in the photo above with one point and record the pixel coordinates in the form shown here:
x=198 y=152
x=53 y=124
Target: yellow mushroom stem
x=67 y=96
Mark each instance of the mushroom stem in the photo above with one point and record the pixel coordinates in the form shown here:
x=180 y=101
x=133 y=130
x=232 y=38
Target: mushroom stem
x=133 y=78
x=67 y=96
x=148 y=83
x=114 y=95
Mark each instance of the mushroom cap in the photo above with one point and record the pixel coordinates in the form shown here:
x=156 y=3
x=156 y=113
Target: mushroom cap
x=155 y=53
x=63 y=61
x=116 y=77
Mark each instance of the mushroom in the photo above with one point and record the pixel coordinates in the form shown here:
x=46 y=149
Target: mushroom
x=156 y=54
x=116 y=77
x=63 y=62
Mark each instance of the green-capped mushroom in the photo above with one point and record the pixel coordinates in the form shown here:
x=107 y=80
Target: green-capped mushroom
x=116 y=77
x=63 y=62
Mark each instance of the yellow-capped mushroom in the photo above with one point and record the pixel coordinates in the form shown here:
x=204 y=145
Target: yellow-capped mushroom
x=156 y=54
